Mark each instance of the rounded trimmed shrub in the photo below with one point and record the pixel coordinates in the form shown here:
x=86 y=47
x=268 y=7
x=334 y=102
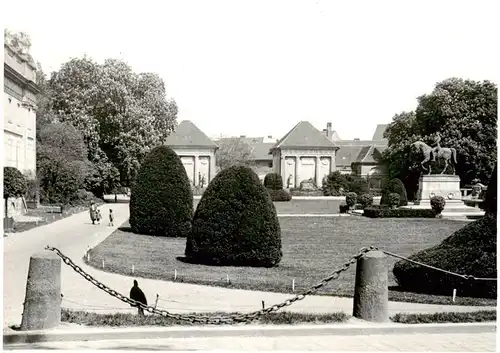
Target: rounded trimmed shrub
x=394 y=186
x=161 y=201
x=365 y=200
x=350 y=199
x=394 y=199
x=273 y=181
x=235 y=223
x=437 y=204
x=279 y=195
x=471 y=250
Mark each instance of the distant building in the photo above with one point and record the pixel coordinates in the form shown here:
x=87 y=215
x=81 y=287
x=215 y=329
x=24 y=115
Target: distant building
x=197 y=152
x=303 y=153
x=20 y=92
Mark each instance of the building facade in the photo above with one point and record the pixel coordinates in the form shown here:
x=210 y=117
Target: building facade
x=20 y=92
x=197 y=153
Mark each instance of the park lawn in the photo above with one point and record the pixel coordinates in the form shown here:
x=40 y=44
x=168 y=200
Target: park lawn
x=327 y=206
x=312 y=249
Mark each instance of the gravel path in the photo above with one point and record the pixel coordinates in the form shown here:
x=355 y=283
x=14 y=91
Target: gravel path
x=73 y=235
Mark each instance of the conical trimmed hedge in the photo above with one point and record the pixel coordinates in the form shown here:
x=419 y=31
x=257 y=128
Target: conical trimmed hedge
x=235 y=223
x=161 y=202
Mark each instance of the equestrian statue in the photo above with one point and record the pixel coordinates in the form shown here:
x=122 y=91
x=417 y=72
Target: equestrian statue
x=439 y=152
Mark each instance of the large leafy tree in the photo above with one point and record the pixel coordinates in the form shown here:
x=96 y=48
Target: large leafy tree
x=464 y=113
x=121 y=114
x=234 y=151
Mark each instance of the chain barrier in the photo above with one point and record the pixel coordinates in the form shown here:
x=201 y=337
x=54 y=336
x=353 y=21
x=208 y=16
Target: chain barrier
x=466 y=277
x=205 y=319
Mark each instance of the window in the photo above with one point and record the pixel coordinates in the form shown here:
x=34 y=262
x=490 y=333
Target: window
x=10 y=100
x=270 y=164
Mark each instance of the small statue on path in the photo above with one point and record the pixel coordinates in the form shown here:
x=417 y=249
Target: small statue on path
x=138 y=295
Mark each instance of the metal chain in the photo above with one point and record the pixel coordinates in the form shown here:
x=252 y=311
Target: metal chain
x=205 y=319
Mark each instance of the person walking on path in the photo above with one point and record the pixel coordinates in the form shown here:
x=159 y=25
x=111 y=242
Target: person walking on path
x=93 y=212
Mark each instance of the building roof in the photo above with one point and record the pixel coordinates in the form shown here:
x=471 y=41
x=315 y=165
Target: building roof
x=304 y=135
x=379 y=132
x=187 y=134
x=346 y=155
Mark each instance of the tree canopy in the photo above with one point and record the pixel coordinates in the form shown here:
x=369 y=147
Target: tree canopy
x=121 y=114
x=464 y=113
x=234 y=151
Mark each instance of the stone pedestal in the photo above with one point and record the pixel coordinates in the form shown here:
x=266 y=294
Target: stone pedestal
x=447 y=186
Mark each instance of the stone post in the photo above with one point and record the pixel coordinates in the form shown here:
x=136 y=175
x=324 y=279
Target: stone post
x=371 y=294
x=42 y=304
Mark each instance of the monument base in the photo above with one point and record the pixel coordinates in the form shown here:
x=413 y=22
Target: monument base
x=447 y=186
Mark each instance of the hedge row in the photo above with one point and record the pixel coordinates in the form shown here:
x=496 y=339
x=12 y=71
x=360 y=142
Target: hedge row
x=279 y=195
x=385 y=212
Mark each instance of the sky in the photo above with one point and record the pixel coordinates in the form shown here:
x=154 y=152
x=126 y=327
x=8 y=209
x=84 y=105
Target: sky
x=257 y=68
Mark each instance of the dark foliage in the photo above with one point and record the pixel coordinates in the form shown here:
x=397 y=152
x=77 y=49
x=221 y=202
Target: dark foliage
x=235 y=223
x=350 y=199
x=279 y=195
x=161 y=199
x=490 y=203
x=394 y=199
x=394 y=186
x=471 y=250
x=437 y=204
x=14 y=183
x=343 y=208
x=365 y=200
x=386 y=212
x=273 y=181
x=338 y=184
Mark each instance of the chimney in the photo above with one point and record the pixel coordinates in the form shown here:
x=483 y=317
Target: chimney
x=242 y=136
x=270 y=137
x=356 y=139
x=329 y=130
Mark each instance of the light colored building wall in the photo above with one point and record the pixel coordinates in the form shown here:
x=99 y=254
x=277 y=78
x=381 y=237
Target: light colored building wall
x=198 y=162
x=299 y=165
x=19 y=103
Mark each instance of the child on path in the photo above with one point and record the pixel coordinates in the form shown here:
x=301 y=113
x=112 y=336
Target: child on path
x=93 y=212
x=99 y=216
x=111 y=217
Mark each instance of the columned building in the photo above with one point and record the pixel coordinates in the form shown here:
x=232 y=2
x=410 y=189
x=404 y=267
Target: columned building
x=304 y=153
x=197 y=152
x=20 y=92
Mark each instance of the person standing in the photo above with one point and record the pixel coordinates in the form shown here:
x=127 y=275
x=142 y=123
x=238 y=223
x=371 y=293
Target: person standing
x=93 y=212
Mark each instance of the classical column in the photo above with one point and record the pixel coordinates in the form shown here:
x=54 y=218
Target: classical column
x=318 y=177
x=333 y=163
x=282 y=166
x=195 y=167
x=297 y=171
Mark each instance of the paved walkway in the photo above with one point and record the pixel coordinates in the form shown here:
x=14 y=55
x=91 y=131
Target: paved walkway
x=73 y=235
x=419 y=342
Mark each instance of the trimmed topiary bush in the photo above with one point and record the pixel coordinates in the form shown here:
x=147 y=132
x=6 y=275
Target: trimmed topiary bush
x=394 y=200
x=279 y=195
x=161 y=201
x=471 y=250
x=273 y=181
x=235 y=223
x=343 y=208
x=394 y=186
x=437 y=204
x=365 y=200
x=350 y=199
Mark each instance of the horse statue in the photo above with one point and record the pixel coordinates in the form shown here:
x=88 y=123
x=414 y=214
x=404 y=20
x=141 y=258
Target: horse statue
x=439 y=152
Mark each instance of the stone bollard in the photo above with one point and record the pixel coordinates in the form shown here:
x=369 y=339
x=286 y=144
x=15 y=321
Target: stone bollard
x=371 y=295
x=42 y=305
